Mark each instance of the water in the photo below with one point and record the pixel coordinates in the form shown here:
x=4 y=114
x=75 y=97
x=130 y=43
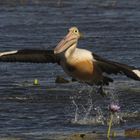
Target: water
x=111 y=29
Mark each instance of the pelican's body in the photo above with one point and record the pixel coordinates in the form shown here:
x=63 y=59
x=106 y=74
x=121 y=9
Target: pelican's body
x=77 y=63
x=80 y=64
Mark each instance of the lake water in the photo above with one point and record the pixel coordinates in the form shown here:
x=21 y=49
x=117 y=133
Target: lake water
x=111 y=29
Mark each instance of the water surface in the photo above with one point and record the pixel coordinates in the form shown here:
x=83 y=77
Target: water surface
x=111 y=29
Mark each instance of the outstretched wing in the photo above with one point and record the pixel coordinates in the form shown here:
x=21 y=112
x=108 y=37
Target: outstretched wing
x=29 y=56
x=111 y=67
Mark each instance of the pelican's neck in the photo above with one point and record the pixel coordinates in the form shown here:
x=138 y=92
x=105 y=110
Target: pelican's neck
x=79 y=54
x=69 y=52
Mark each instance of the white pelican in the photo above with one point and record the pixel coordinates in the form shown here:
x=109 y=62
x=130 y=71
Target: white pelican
x=80 y=64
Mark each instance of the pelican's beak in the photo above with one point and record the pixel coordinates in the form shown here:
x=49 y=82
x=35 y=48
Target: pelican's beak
x=69 y=40
x=64 y=44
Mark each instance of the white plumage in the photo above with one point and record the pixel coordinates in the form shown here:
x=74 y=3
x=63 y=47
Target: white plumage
x=137 y=72
x=7 y=53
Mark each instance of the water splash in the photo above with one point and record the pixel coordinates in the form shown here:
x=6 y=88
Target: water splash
x=100 y=118
x=85 y=113
x=93 y=110
x=76 y=111
x=89 y=109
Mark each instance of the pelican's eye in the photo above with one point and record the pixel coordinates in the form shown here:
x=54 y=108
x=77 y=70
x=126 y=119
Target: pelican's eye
x=75 y=31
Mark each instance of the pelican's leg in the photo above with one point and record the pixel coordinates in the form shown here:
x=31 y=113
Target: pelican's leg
x=73 y=80
x=101 y=91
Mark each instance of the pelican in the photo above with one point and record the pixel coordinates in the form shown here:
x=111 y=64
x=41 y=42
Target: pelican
x=81 y=64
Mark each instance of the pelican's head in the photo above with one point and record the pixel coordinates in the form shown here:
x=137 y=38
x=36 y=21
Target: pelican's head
x=69 y=40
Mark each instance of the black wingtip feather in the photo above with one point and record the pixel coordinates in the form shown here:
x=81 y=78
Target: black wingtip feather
x=111 y=67
x=30 y=56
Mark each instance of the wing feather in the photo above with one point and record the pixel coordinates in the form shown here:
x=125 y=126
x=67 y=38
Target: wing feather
x=111 y=67
x=29 y=56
